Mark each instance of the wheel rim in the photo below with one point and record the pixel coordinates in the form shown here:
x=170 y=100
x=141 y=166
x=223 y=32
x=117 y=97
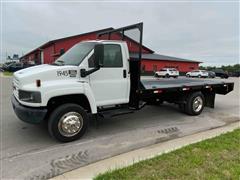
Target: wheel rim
x=70 y=124
x=197 y=104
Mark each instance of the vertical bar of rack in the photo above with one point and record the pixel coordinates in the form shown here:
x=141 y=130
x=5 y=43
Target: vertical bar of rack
x=122 y=35
x=140 y=41
x=140 y=27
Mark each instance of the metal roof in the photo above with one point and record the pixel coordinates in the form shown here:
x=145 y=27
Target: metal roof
x=97 y=31
x=159 y=57
x=55 y=40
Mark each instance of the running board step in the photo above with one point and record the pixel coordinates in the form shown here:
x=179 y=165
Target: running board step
x=116 y=112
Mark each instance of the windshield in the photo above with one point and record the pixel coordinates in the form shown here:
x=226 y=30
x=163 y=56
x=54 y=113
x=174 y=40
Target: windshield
x=76 y=54
x=163 y=69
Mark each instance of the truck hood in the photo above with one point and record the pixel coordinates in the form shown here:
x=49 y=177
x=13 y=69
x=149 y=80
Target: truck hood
x=45 y=72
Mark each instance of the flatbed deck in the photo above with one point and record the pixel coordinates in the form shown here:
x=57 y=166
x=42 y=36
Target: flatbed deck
x=182 y=84
x=160 y=83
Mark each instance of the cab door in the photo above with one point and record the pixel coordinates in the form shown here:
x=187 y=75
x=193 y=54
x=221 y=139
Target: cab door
x=111 y=83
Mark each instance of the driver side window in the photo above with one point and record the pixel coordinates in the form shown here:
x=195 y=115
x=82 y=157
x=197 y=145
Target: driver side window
x=112 y=57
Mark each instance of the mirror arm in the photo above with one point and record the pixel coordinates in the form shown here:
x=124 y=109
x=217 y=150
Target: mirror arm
x=84 y=72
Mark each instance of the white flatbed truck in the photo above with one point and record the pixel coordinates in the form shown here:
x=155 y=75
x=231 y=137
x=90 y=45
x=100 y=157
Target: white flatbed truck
x=98 y=77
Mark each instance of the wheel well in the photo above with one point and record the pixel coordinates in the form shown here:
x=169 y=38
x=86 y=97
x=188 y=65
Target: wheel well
x=79 y=99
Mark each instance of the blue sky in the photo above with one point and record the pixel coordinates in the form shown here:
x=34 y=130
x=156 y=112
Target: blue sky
x=204 y=31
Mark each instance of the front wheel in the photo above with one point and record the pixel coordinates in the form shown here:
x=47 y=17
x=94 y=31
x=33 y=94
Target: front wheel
x=68 y=122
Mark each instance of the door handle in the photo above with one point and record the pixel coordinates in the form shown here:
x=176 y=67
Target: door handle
x=124 y=73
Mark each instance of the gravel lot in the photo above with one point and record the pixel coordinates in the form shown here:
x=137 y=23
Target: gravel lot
x=28 y=151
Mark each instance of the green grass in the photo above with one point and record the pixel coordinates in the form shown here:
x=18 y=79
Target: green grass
x=6 y=73
x=216 y=158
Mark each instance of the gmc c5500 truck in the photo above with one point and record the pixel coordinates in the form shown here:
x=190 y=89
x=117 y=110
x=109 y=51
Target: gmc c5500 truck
x=98 y=77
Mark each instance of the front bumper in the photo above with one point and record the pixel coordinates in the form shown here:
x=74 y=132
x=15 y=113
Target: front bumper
x=28 y=114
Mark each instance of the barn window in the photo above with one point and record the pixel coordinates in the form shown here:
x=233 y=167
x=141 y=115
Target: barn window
x=143 y=68
x=154 y=67
x=62 y=51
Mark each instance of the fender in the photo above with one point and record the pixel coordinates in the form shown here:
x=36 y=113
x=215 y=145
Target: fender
x=67 y=89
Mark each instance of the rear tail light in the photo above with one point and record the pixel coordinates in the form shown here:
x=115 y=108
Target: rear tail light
x=157 y=91
x=185 y=88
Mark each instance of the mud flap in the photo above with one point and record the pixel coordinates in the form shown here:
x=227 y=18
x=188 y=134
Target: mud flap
x=210 y=99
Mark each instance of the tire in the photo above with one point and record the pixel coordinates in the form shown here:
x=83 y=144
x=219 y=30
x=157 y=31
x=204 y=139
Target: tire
x=63 y=113
x=188 y=75
x=167 y=76
x=199 y=76
x=191 y=106
x=156 y=75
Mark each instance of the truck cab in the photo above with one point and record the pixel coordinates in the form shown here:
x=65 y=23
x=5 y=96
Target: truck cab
x=77 y=77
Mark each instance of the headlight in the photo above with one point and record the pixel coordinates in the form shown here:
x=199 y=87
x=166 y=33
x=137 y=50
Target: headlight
x=29 y=96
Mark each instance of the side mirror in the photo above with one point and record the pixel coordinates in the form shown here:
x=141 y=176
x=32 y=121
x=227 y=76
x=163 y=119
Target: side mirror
x=98 y=60
x=98 y=55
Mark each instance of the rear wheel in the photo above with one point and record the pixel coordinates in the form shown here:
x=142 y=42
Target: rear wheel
x=194 y=104
x=68 y=122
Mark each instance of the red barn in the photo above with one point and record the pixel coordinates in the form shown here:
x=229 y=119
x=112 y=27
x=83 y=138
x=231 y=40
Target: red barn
x=50 y=51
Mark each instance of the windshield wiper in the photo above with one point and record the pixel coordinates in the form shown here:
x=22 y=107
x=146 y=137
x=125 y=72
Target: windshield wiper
x=58 y=63
x=55 y=64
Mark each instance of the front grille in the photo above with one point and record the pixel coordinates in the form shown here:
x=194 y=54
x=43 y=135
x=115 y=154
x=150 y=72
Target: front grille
x=16 y=82
x=16 y=85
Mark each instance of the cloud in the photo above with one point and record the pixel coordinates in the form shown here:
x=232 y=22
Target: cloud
x=208 y=32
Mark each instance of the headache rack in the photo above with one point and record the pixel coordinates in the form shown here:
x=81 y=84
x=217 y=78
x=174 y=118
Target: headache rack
x=135 y=64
